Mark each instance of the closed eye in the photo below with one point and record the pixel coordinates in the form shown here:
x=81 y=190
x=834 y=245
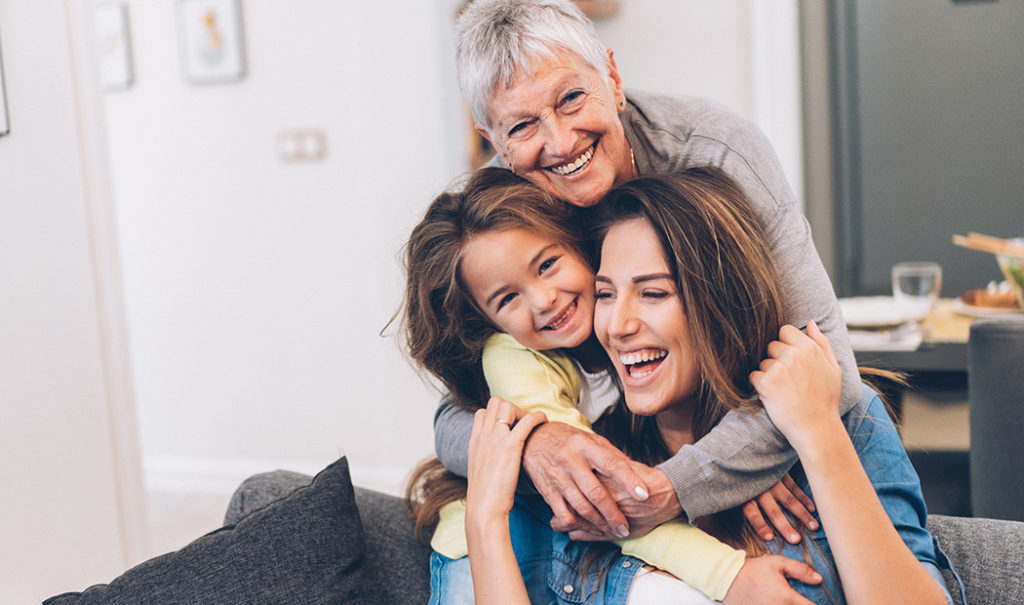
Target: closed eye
x=571 y=99
x=519 y=129
x=508 y=298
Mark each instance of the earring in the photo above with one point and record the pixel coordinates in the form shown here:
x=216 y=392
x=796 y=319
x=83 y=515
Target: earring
x=622 y=103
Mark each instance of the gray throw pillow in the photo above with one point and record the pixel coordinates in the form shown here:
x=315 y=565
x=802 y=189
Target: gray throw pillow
x=305 y=548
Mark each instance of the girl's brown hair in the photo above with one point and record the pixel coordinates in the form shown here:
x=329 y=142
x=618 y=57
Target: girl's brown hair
x=726 y=278
x=444 y=329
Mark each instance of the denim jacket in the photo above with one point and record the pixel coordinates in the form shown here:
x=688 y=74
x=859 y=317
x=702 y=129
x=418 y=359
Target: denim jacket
x=559 y=571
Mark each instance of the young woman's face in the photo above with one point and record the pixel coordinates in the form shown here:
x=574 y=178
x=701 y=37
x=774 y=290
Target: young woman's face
x=532 y=287
x=640 y=322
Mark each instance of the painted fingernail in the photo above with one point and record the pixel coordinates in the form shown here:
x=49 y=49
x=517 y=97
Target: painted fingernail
x=641 y=493
x=793 y=538
x=767 y=535
x=813 y=524
x=622 y=531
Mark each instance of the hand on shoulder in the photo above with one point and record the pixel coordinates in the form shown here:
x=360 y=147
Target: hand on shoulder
x=799 y=383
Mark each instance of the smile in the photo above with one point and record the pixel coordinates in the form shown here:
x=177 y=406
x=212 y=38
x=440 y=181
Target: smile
x=562 y=317
x=642 y=363
x=576 y=165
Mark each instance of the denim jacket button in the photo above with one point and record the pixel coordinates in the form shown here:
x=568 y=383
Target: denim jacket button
x=626 y=564
x=567 y=589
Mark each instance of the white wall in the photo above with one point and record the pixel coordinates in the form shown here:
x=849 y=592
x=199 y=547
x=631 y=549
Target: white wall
x=742 y=53
x=255 y=289
x=71 y=510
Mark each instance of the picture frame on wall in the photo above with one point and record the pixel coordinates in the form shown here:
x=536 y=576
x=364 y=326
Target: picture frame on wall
x=113 y=45
x=5 y=125
x=212 y=47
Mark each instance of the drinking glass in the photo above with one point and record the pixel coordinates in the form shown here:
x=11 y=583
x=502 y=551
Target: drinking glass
x=916 y=287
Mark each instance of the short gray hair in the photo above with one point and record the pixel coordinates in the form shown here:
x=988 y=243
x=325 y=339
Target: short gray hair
x=494 y=38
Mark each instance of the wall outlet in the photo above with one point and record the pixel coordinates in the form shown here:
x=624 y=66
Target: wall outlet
x=309 y=145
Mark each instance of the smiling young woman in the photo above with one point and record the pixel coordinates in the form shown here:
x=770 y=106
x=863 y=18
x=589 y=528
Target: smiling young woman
x=641 y=323
x=688 y=308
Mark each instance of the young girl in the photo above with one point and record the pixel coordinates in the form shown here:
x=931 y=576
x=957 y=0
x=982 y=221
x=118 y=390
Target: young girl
x=500 y=302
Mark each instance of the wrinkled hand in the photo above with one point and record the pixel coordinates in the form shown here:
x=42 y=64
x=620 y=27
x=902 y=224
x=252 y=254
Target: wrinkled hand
x=789 y=495
x=799 y=383
x=661 y=505
x=566 y=466
x=495 y=449
x=764 y=580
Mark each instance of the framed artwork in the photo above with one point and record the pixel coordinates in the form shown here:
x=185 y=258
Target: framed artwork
x=113 y=46
x=210 y=31
x=5 y=126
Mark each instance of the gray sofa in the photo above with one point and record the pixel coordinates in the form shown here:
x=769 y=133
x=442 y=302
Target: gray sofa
x=291 y=539
x=988 y=554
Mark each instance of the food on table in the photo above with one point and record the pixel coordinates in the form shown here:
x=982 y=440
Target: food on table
x=995 y=295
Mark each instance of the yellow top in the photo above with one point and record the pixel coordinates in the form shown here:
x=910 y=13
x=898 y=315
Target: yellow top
x=549 y=382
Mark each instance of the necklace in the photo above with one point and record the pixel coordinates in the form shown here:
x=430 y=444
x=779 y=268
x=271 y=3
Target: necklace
x=632 y=160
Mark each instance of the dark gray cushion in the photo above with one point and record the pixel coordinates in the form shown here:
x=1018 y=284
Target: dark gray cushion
x=390 y=544
x=260 y=490
x=987 y=553
x=305 y=548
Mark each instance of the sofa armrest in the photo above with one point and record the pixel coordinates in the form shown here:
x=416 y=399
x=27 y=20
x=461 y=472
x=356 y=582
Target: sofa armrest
x=988 y=554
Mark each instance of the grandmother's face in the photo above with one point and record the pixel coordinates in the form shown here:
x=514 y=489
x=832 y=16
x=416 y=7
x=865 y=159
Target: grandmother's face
x=559 y=128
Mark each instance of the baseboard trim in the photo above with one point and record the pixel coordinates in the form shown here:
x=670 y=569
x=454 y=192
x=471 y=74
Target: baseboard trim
x=223 y=475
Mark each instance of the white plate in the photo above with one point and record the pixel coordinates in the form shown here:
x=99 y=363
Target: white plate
x=959 y=306
x=871 y=312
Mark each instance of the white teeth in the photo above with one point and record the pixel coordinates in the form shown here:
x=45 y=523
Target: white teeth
x=557 y=323
x=574 y=166
x=641 y=357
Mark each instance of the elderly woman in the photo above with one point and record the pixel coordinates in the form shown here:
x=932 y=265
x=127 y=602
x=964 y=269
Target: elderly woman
x=547 y=94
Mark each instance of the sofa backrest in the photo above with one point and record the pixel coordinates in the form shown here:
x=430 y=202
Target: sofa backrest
x=395 y=560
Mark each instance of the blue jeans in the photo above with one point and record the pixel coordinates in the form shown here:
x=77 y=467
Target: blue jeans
x=559 y=571
x=556 y=570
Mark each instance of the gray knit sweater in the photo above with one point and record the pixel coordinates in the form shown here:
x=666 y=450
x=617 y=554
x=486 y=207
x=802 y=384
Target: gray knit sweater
x=744 y=454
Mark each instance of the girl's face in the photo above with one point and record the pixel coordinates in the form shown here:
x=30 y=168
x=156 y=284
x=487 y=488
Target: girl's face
x=640 y=322
x=532 y=287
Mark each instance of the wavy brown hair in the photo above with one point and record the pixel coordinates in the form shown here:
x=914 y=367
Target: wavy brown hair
x=444 y=329
x=727 y=281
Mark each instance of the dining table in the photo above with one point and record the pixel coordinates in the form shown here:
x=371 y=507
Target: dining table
x=938 y=364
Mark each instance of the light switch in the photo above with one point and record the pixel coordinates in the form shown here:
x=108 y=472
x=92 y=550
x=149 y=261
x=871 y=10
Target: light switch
x=307 y=145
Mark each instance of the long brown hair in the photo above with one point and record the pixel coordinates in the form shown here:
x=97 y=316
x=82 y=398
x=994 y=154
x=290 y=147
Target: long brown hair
x=726 y=278
x=444 y=329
